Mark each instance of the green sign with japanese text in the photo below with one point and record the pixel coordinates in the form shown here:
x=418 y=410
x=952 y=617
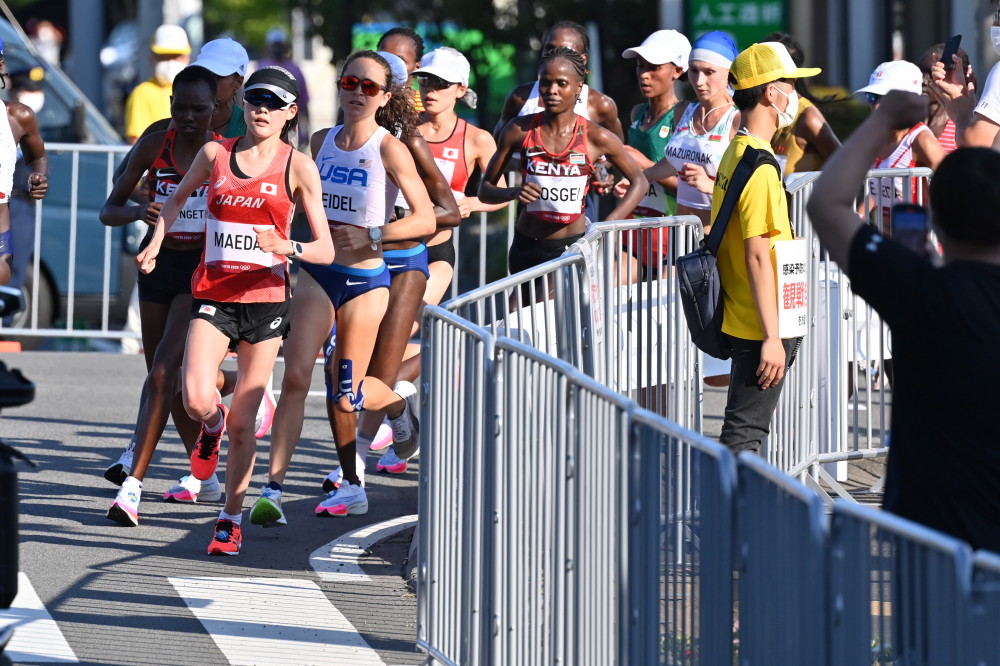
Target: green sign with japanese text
x=746 y=21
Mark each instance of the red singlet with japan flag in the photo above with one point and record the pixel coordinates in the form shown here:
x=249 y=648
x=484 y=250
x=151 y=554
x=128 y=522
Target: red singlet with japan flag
x=449 y=155
x=233 y=268
x=564 y=178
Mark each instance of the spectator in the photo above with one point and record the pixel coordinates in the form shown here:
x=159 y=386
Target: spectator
x=943 y=465
x=938 y=121
x=762 y=78
x=150 y=101
x=279 y=56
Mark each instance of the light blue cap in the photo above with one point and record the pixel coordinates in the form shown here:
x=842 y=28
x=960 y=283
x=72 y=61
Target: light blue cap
x=399 y=73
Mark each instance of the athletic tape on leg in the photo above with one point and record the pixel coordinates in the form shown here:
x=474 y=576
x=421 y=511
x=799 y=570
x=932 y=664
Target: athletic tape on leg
x=5 y=243
x=345 y=380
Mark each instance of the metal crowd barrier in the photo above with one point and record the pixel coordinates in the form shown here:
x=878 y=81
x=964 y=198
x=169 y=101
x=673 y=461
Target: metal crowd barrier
x=836 y=403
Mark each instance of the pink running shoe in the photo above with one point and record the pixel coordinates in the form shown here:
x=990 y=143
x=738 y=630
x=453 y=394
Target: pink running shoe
x=205 y=456
x=391 y=463
x=383 y=438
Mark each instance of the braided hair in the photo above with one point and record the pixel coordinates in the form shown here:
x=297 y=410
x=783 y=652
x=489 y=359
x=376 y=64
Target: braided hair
x=398 y=116
x=569 y=55
x=409 y=33
x=575 y=27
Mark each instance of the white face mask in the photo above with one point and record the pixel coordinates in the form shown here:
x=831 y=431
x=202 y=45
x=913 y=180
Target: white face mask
x=787 y=117
x=33 y=99
x=995 y=37
x=166 y=70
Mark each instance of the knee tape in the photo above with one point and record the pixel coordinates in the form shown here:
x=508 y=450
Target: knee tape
x=5 y=243
x=345 y=381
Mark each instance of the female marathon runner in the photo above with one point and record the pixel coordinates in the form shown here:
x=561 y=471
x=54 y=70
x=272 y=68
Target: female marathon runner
x=241 y=287
x=165 y=294
x=557 y=149
x=458 y=148
x=704 y=129
x=660 y=61
x=361 y=167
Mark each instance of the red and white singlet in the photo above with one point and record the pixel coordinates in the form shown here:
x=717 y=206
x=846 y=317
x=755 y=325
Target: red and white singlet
x=233 y=268
x=449 y=155
x=564 y=178
x=163 y=178
x=891 y=189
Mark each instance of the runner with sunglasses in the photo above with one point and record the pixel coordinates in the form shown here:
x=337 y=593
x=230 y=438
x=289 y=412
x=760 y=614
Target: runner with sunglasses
x=241 y=286
x=165 y=294
x=361 y=166
x=557 y=149
x=458 y=148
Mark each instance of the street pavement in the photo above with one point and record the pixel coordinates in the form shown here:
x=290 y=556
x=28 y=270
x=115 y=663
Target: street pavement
x=151 y=595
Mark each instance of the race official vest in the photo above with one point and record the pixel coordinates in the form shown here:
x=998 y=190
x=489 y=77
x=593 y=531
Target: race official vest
x=705 y=150
x=233 y=267
x=163 y=178
x=449 y=155
x=534 y=105
x=563 y=178
x=356 y=189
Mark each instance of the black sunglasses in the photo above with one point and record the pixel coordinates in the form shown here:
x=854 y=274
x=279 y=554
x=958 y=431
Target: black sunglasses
x=872 y=98
x=368 y=87
x=270 y=101
x=432 y=82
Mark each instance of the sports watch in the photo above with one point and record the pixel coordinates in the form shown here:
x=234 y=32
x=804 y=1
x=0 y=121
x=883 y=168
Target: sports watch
x=296 y=250
x=375 y=236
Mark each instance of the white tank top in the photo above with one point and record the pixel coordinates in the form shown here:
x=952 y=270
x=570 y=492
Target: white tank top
x=705 y=150
x=356 y=189
x=900 y=158
x=8 y=156
x=534 y=105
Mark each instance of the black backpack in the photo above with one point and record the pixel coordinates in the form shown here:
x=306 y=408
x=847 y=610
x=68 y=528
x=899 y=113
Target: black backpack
x=697 y=272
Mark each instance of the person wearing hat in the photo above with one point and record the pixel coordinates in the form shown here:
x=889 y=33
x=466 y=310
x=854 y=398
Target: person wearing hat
x=241 y=287
x=704 y=128
x=170 y=52
x=19 y=130
x=660 y=61
x=763 y=78
x=276 y=42
x=906 y=148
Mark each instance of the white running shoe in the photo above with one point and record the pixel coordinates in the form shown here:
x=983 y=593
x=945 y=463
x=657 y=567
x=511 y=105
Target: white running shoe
x=383 y=438
x=266 y=510
x=405 y=427
x=125 y=508
x=391 y=463
x=191 y=489
x=348 y=500
x=118 y=472
x=265 y=411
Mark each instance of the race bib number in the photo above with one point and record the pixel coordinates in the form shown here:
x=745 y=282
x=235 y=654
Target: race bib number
x=447 y=168
x=346 y=204
x=792 y=261
x=654 y=204
x=190 y=222
x=232 y=247
x=561 y=198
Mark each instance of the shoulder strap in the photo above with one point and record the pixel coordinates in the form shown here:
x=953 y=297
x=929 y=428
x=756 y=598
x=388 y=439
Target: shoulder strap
x=752 y=158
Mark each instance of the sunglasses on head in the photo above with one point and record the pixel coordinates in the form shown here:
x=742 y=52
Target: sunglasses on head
x=368 y=87
x=432 y=82
x=269 y=100
x=872 y=98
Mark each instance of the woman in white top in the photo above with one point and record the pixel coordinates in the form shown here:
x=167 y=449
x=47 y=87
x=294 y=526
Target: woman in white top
x=704 y=129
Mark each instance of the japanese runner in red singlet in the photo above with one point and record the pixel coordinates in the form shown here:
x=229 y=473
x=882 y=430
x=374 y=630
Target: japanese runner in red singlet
x=240 y=286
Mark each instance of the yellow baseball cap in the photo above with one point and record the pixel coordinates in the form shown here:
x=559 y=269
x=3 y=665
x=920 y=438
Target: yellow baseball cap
x=766 y=62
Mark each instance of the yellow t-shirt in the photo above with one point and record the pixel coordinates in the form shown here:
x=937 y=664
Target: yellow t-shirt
x=148 y=103
x=761 y=211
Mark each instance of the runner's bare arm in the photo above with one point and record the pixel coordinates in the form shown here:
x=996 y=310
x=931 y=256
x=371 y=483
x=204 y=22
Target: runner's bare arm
x=815 y=131
x=514 y=102
x=34 y=149
x=490 y=191
x=604 y=112
x=483 y=149
x=399 y=165
x=306 y=187
x=158 y=126
x=927 y=150
x=116 y=211
x=605 y=143
x=831 y=206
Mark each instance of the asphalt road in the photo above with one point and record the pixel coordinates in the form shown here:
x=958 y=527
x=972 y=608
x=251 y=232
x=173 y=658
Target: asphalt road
x=114 y=592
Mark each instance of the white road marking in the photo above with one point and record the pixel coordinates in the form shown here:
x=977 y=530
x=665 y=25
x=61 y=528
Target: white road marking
x=337 y=561
x=37 y=638
x=274 y=621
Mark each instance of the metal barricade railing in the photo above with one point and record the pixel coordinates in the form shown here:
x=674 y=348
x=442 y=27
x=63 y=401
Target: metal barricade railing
x=680 y=547
x=455 y=510
x=780 y=546
x=827 y=415
x=983 y=638
x=900 y=593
